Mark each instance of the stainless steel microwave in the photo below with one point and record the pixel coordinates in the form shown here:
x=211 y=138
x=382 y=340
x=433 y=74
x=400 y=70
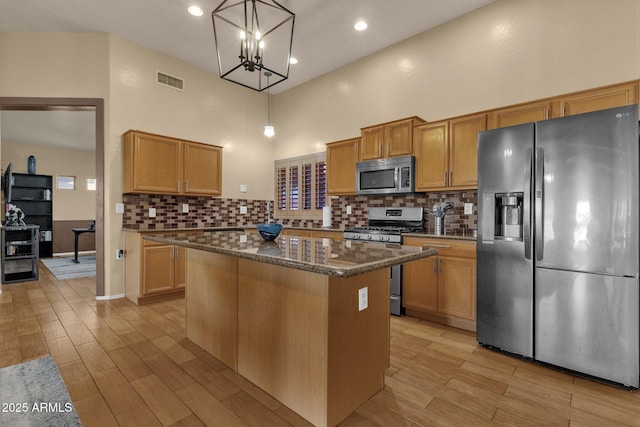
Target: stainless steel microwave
x=393 y=175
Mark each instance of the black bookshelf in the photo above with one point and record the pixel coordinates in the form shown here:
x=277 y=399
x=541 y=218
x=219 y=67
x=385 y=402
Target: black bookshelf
x=20 y=253
x=34 y=195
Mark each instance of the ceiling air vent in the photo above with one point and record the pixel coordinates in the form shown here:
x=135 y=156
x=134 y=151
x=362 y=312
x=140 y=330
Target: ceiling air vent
x=171 y=81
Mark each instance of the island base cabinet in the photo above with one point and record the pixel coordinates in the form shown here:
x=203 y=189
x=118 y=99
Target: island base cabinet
x=302 y=338
x=300 y=335
x=211 y=316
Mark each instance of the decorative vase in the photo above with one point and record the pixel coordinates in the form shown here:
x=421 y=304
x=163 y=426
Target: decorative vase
x=31 y=165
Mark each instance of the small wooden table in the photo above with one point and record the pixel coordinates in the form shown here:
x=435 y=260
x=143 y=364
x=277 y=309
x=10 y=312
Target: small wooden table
x=77 y=232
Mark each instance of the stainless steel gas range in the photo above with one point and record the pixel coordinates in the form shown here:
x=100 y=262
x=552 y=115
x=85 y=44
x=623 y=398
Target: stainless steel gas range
x=387 y=225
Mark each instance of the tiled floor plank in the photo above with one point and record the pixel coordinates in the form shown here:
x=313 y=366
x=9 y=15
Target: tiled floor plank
x=125 y=364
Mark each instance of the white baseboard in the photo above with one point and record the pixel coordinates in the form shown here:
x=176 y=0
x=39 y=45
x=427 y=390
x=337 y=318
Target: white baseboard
x=66 y=254
x=109 y=297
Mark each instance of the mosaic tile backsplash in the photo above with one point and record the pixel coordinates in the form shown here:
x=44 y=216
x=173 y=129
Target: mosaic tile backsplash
x=223 y=212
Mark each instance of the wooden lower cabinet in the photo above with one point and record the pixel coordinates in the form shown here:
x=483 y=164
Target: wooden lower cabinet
x=153 y=271
x=442 y=288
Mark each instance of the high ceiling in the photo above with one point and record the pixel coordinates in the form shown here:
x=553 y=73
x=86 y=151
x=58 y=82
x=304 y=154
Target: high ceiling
x=324 y=38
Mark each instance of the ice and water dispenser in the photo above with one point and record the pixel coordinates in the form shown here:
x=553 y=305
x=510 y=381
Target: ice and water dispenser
x=502 y=216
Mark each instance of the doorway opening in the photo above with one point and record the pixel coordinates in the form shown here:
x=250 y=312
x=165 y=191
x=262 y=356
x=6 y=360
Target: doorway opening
x=95 y=105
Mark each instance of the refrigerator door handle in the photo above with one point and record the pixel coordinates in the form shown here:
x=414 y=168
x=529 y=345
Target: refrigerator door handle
x=539 y=199
x=526 y=212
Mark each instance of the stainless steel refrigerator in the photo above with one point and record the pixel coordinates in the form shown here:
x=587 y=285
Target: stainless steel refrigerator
x=558 y=242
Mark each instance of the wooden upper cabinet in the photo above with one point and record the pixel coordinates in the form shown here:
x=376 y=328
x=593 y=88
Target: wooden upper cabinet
x=342 y=157
x=152 y=163
x=388 y=139
x=463 y=150
x=203 y=169
x=447 y=153
x=517 y=115
x=432 y=155
x=599 y=99
x=155 y=164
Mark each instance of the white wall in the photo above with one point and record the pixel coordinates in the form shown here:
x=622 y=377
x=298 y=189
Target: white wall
x=507 y=52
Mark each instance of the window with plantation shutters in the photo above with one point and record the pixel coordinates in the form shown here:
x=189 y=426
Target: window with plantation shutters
x=301 y=186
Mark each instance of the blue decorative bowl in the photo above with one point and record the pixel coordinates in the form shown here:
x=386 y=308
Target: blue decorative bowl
x=269 y=231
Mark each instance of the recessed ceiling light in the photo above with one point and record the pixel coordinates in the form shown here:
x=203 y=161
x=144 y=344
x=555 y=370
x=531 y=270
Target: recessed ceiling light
x=195 y=10
x=293 y=60
x=360 y=26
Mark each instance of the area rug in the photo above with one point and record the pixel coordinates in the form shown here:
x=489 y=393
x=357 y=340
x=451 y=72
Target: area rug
x=33 y=394
x=65 y=268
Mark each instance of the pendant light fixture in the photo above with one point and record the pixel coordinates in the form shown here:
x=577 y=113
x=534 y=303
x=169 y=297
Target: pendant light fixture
x=269 y=131
x=253 y=37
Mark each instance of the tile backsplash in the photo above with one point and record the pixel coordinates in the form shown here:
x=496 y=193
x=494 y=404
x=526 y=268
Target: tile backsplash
x=223 y=212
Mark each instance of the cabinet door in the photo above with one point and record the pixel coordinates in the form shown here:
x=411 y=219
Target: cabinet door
x=521 y=114
x=371 y=143
x=158 y=269
x=156 y=164
x=457 y=287
x=463 y=150
x=341 y=166
x=600 y=99
x=420 y=284
x=399 y=138
x=202 y=169
x=431 y=156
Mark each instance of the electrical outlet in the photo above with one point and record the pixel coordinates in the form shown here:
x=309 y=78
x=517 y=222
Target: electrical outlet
x=468 y=208
x=119 y=208
x=185 y=208
x=119 y=253
x=363 y=298
x=243 y=209
x=152 y=212
x=348 y=210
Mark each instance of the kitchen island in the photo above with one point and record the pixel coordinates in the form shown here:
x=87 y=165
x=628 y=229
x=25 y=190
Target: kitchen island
x=305 y=319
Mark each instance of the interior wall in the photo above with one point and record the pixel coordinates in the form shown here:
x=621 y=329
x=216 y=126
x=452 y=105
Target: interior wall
x=504 y=53
x=78 y=204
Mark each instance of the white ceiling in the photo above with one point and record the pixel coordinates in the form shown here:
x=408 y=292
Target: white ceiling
x=324 y=38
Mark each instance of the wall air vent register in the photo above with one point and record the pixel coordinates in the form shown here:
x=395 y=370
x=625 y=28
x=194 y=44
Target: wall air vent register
x=168 y=80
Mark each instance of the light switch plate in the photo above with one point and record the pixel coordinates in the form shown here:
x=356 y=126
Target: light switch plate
x=185 y=208
x=363 y=298
x=119 y=208
x=243 y=188
x=468 y=208
x=348 y=210
x=152 y=212
x=243 y=209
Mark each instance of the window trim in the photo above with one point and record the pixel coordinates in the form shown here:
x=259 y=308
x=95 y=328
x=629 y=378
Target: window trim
x=300 y=187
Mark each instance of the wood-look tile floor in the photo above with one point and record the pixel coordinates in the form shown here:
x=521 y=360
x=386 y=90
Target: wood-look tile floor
x=132 y=366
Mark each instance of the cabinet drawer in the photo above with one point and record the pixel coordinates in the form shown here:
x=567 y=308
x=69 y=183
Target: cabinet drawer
x=445 y=247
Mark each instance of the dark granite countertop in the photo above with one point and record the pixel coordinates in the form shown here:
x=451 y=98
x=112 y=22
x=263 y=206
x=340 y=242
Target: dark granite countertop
x=324 y=256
